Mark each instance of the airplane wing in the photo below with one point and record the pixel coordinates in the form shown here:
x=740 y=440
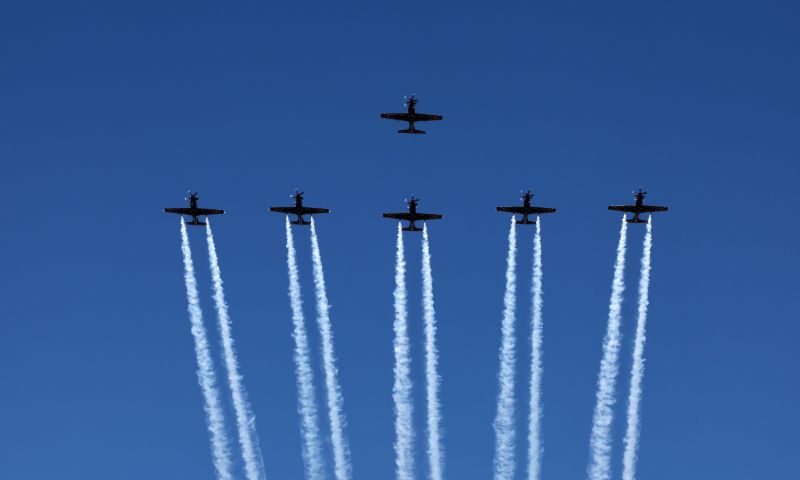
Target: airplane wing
x=427 y=216
x=283 y=209
x=653 y=208
x=179 y=211
x=314 y=211
x=511 y=209
x=397 y=216
x=424 y=117
x=623 y=208
x=529 y=210
x=639 y=209
x=195 y=211
x=208 y=211
x=540 y=210
x=397 y=116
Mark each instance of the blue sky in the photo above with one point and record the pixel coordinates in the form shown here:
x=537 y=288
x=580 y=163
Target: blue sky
x=110 y=112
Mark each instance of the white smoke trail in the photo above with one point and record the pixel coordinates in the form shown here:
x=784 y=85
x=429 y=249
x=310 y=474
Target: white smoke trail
x=312 y=454
x=631 y=440
x=245 y=420
x=341 y=448
x=435 y=453
x=401 y=391
x=600 y=445
x=205 y=367
x=534 y=424
x=504 y=421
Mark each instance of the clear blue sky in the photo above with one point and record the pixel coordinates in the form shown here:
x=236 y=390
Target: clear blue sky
x=110 y=112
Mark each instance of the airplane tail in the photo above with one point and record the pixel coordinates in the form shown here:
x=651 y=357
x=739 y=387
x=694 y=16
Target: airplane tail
x=411 y=130
x=412 y=228
x=636 y=220
x=196 y=222
x=526 y=221
x=300 y=222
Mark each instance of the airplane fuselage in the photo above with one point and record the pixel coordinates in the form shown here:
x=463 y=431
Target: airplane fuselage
x=298 y=205
x=639 y=211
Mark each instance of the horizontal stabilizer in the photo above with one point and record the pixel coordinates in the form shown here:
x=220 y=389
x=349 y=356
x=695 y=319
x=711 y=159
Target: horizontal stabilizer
x=636 y=220
x=526 y=221
x=197 y=223
x=412 y=228
x=411 y=131
x=300 y=222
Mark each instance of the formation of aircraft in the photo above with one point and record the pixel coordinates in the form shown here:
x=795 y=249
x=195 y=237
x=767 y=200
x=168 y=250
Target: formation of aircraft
x=526 y=209
x=411 y=116
x=298 y=209
x=638 y=208
x=412 y=216
x=194 y=211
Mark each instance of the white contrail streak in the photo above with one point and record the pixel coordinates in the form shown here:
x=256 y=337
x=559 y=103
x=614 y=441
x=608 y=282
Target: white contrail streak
x=435 y=452
x=600 y=444
x=534 y=424
x=631 y=440
x=312 y=452
x=401 y=391
x=205 y=367
x=504 y=421
x=245 y=420
x=341 y=448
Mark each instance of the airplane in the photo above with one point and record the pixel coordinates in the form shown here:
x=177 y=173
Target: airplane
x=638 y=208
x=411 y=116
x=299 y=209
x=412 y=216
x=194 y=211
x=526 y=209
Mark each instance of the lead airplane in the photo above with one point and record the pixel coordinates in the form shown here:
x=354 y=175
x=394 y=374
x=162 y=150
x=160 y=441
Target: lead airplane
x=299 y=209
x=194 y=211
x=526 y=209
x=412 y=216
x=638 y=208
x=411 y=116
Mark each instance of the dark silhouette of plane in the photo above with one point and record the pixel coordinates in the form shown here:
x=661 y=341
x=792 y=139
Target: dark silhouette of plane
x=194 y=211
x=299 y=209
x=526 y=209
x=412 y=216
x=411 y=116
x=638 y=208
